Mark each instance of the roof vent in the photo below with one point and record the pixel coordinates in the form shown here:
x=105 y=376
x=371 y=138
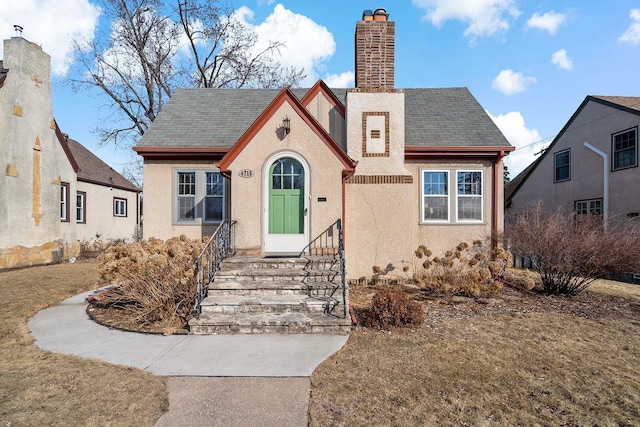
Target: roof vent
x=18 y=29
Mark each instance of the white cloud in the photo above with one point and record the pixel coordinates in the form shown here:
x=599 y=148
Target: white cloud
x=54 y=24
x=509 y=82
x=550 y=21
x=306 y=44
x=632 y=35
x=526 y=140
x=562 y=60
x=346 y=79
x=484 y=17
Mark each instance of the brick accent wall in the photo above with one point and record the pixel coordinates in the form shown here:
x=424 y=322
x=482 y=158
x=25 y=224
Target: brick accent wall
x=375 y=54
x=380 y=179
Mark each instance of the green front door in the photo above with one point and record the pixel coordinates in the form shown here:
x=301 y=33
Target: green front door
x=286 y=197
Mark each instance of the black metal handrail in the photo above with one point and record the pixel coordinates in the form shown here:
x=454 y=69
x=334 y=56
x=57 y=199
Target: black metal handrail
x=325 y=246
x=219 y=247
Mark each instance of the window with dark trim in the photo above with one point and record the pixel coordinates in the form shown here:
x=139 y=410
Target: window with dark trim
x=81 y=200
x=64 y=202
x=119 y=206
x=625 y=149
x=562 y=165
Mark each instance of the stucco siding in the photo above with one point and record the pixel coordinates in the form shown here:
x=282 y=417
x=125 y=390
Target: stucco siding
x=100 y=220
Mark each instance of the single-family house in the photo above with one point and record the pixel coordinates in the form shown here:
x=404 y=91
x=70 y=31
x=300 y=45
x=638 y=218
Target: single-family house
x=54 y=192
x=399 y=167
x=591 y=167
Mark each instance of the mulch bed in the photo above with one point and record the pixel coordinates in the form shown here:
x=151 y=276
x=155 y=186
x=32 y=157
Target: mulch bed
x=120 y=319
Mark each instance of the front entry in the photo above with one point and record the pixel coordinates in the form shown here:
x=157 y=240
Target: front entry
x=285 y=209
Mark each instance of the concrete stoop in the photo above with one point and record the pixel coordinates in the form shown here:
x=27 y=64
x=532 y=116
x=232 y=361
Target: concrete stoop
x=253 y=295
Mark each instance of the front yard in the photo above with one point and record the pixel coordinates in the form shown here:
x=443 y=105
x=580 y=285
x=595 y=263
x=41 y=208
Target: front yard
x=518 y=359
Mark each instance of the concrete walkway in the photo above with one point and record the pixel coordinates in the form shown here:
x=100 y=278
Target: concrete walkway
x=268 y=359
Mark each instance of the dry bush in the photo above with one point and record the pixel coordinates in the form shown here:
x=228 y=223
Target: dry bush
x=470 y=270
x=95 y=247
x=393 y=308
x=156 y=280
x=570 y=253
x=520 y=278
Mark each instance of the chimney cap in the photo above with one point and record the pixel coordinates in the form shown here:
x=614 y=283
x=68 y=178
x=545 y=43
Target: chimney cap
x=380 y=14
x=367 y=15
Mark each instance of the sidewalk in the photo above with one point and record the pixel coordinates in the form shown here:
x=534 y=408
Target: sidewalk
x=262 y=379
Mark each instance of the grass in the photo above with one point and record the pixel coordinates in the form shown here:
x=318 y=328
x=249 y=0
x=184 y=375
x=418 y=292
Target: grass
x=525 y=360
x=43 y=388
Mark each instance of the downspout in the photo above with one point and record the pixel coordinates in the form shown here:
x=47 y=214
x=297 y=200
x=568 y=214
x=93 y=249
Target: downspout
x=496 y=200
x=605 y=197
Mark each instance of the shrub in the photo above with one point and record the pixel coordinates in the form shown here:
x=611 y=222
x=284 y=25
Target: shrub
x=470 y=270
x=393 y=308
x=569 y=253
x=156 y=280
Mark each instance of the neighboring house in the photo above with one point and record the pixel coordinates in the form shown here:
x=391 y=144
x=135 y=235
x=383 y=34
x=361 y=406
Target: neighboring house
x=570 y=175
x=54 y=192
x=400 y=167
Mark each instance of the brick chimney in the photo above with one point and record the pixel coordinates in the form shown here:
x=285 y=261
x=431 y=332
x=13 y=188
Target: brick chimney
x=375 y=51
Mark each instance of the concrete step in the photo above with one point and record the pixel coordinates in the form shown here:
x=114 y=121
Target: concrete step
x=265 y=304
x=247 y=286
x=264 y=323
x=248 y=262
x=274 y=274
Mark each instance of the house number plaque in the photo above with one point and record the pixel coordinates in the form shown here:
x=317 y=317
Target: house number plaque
x=245 y=173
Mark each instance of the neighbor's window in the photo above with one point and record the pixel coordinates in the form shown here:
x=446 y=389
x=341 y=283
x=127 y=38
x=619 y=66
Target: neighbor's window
x=469 y=204
x=588 y=207
x=119 y=206
x=213 y=197
x=562 y=166
x=81 y=197
x=625 y=149
x=435 y=196
x=186 y=196
x=64 y=201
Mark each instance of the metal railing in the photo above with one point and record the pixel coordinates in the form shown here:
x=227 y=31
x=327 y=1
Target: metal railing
x=219 y=247
x=325 y=253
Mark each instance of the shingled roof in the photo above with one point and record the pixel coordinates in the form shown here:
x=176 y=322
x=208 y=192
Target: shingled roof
x=219 y=117
x=95 y=171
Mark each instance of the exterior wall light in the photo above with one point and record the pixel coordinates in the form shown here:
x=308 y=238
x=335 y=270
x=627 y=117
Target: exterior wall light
x=286 y=125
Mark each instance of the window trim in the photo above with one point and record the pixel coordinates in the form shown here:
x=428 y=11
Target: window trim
x=555 y=165
x=205 y=196
x=83 y=195
x=613 y=151
x=481 y=196
x=115 y=209
x=65 y=211
x=423 y=195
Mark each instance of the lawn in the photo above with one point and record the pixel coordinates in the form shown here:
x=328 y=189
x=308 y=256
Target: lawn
x=522 y=359
x=42 y=388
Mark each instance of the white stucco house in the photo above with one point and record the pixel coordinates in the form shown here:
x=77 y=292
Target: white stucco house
x=54 y=192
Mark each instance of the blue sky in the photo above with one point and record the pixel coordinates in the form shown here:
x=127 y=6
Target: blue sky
x=529 y=63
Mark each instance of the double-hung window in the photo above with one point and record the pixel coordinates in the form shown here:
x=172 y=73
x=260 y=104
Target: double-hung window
x=625 y=149
x=186 y=196
x=81 y=197
x=119 y=206
x=213 y=197
x=435 y=196
x=469 y=195
x=64 y=202
x=562 y=166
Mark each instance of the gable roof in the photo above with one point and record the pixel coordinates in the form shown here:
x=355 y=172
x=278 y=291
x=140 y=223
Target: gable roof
x=213 y=120
x=287 y=96
x=629 y=104
x=95 y=171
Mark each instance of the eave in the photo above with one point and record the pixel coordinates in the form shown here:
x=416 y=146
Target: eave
x=413 y=152
x=181 y=153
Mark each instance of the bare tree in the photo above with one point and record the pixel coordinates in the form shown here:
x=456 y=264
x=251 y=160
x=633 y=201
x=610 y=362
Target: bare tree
x=140 y=62
x=570 y=252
